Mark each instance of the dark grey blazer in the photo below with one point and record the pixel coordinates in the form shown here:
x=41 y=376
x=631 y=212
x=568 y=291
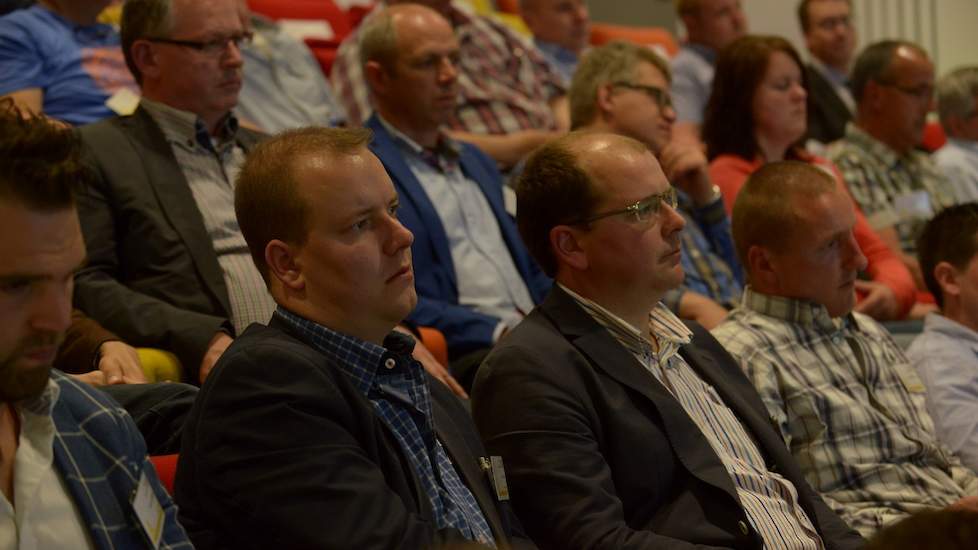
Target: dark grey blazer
x=827 y=113
x=152 y=275
x=281 y=451
x=599 y=455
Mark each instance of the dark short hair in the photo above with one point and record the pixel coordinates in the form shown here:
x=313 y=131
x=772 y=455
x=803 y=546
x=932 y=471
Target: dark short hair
x=945 y=529
x=873 y=64
x=40 y=162
x=142 y=19
x=764 y=213
x=950 y=237
x=267 y=200
x=552 y=190
x=805 y=18
x=728 y=121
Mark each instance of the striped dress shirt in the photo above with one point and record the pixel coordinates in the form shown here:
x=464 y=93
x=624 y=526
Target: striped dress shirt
x=769 y=500
x=850 y=406
x=210 y=167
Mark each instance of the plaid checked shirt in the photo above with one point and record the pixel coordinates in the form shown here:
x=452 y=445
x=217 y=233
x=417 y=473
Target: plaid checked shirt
x=396 y=385
x=899 y=191
x=100 y=455
x=505 y=83
x=850 y=407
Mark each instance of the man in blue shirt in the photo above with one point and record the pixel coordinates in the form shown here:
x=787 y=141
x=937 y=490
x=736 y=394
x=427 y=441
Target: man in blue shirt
x=946 y=353
x=319 y=429
x=561 y=30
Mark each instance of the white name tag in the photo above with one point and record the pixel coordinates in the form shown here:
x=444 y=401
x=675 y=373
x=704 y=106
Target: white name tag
x=123 y=102
x=509 y=200
x=148 y=511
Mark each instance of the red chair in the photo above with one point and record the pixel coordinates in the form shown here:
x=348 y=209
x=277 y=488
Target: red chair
x=166 y=469
x=934 y=137
x=655 y=37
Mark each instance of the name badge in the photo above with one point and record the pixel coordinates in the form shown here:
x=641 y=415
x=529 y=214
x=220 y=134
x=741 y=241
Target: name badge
x=148 y=511
x=509 y=200
x=123 y=102
x=493 y=467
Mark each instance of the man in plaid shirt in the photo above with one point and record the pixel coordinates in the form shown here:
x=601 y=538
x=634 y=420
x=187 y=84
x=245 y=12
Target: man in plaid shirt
x=510 y=98
x=73 y=467
x=846 y=399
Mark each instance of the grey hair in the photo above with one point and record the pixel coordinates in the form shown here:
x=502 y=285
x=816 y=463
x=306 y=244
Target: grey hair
x=956 y=93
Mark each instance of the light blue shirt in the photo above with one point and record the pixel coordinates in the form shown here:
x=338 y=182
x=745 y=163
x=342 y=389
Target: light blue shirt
x=946 y=358
x=560 y=58
x=692 y=81
x=958 y=159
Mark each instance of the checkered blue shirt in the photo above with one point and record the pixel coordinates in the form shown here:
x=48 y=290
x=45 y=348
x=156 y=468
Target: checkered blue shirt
x=396 y=385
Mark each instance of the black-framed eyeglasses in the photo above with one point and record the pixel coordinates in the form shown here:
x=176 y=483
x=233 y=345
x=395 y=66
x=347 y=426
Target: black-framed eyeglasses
x=641 y=211
x=660 y=96
x=210 y=47
x=923 y=92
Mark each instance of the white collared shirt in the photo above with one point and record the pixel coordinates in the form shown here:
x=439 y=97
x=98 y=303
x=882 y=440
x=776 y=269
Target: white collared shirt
x=45 y=515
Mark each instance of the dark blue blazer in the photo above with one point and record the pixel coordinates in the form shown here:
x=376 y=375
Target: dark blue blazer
x=464 y=329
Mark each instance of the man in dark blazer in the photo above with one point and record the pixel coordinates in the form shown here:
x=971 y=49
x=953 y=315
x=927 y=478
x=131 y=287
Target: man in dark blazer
x=618 y=425
x=168 y=267
x=319 y=430
x=831 y=40
x=475 y=277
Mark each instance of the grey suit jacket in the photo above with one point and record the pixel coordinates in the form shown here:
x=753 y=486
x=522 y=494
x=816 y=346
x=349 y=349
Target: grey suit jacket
x=152 y=275
x=827 y=113
x=598 y=454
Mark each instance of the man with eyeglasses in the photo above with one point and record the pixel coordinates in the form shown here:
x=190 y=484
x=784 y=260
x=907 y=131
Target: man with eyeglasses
x=619 y=425
x=624 y=89
x=842 y=393
x=167 y=265
x=898 y=187
x=831 y=40
x=475 y=278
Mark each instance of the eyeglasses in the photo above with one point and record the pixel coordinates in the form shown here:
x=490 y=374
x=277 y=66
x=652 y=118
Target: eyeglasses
x=923 y=92
x=641 y=211
x=659 y=96
x=216 y=46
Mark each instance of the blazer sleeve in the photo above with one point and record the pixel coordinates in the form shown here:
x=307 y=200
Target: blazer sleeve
x=83 y=339
x=289 y=471
x=140 y=319
x=561 y=484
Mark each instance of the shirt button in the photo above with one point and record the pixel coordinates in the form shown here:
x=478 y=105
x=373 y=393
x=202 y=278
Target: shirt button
x=390 y=363
x=743 y=527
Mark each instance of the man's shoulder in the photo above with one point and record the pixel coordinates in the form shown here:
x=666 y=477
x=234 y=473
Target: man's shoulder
x=84 y=414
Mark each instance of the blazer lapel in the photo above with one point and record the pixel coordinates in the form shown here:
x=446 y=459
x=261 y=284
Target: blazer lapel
x=410 y=190
x=688 y=442
x=177 y=201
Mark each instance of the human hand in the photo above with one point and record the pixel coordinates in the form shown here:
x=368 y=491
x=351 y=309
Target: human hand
x=120 y=364
x=701 y=309
x=879 y=301
x=685 y=166
x=969 y=504
x=215 y=349
x=94 y=378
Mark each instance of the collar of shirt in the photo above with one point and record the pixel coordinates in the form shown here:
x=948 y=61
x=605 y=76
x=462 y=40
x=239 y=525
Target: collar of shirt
x=668 y=331
x=856 y=136
x=444 y=157
x=706 y=52
x=935 y=322
x=186 y=129
x=358 y=359
x=798 y=312
x=834 y=76
x=42 y=404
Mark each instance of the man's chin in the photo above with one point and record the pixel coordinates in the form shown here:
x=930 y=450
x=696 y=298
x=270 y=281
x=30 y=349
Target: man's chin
x=23 y=379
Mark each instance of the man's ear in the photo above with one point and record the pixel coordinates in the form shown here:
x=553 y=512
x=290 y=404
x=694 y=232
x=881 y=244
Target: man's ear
x=873 y=94
x=947 y=278
x=282 y=265
x=761 y=269
x=377 y=77
x=144 y=57
x=605 y=99
x=566 y=246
